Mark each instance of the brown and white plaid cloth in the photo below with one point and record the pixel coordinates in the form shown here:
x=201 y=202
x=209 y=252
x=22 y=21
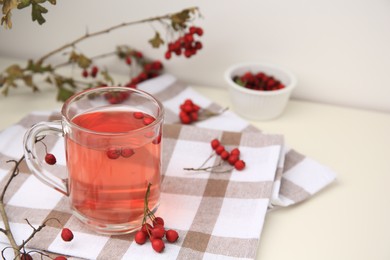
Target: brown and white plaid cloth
x=217 y=215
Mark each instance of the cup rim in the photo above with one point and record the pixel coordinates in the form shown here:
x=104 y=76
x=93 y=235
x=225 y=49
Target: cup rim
x=74 y=97
x=232 y=68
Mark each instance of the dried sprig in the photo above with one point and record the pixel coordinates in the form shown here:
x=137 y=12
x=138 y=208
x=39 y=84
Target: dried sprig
x=16 y=75
x=37 y=10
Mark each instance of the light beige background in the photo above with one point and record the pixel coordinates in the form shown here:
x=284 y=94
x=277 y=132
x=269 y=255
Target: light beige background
x=338 y=49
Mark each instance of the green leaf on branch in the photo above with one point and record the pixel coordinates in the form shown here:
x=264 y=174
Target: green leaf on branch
x=24 y=4
x=82 y=60
x=63 y=94
x=63 y=84
x=179 y=20
x=8 y=6
x=38 y=67
x=37 y=11
x=156 y=41
x=107 y=77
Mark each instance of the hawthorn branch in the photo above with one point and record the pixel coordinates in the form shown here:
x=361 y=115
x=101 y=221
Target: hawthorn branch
x=108 y=30
x=3 y=213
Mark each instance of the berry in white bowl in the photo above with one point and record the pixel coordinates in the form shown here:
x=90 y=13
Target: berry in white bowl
x=259 y=91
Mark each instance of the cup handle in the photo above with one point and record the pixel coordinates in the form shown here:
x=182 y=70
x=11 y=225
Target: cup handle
x=34 y=163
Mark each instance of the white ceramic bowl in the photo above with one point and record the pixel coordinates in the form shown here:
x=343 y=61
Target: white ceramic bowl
x=258 y=104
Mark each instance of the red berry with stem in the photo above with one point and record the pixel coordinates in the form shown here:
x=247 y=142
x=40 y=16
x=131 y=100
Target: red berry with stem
x=168 y=55
x=60 y=258
x=127 y=152
x=139 y=54
x=158 y=245
x=225 y=155
x=158 y=220
x=26 y=256
x=66 y=234
x=199 y=31
x=233 y=159
x=50 y=159
x=85 y=73
x=171 y=235
x=128 y=60
x=215 y=143
x=220 y=149
x=239 y=165
x=235 y=151
x=113 y=153
x=146 y=228
x=94 y=71
x=184 y=118
x=158 y=232
x=140 y=237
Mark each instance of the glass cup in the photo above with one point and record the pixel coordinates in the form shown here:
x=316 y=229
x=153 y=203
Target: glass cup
x=113 y=151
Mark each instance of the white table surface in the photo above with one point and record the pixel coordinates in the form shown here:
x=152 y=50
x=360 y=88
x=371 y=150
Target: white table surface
x=348 y=220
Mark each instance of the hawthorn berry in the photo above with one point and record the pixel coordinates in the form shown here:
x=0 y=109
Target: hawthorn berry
x=140 y=237
x=148 y=120
x=50 y=159
x=233 y=159
x=157 y=140
x=128 y=60
x=225 y=155
x=168 y=55
x=139 y=54
x=146 y=228
x=158 y=232
x=113 y=153
x=85 y=73
x=94 y=71
x=158 y=220
x=25 y=256
x=171 y=235
x=127 y=152
x=158 y=245
x=239 y=165
x=138 y=115
x=66 y=234
x=60 y=258
x=235 y=151
x=220 y=149
x=215 y=143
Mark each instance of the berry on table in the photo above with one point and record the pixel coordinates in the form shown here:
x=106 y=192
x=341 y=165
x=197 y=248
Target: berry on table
x=140 y=237
x=66 y=234
x=171 y=235
x=215 y=143
x=239 y=165
x=60 y=258
x=158 y=245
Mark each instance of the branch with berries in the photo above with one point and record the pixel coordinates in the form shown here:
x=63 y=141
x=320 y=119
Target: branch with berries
x=182 y=39
x=19 y=250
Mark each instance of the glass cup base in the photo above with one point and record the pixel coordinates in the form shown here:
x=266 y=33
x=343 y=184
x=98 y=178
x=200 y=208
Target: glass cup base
x=111 y=229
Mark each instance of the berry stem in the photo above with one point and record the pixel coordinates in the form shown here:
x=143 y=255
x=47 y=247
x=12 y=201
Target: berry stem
x=206 y=169
x=210 y=156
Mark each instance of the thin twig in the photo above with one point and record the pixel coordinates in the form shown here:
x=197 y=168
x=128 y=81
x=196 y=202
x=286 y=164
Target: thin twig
x=3 y=213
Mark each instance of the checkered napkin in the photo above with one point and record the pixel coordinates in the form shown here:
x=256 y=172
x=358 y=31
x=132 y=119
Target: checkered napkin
x=217 y=215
